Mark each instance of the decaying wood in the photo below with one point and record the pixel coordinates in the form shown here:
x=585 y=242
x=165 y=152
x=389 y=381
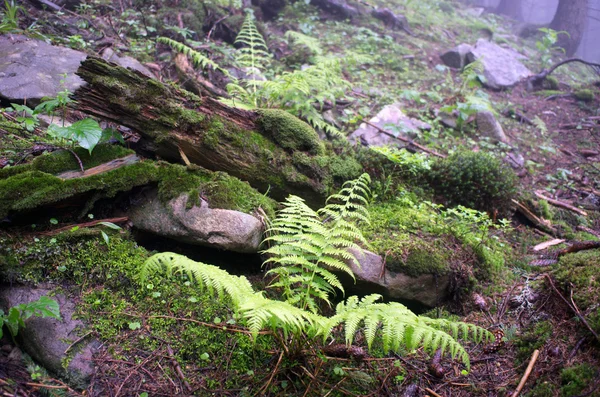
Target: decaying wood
x=171 y=120
x=109 y=166
x=116 y=221
x=546 y=244
x=540 y=223
x=588 y=230
x=576 y=246
x=561 y=204
x=536 y=80
x=192 y=81
x=409 y=141
x=534 y=358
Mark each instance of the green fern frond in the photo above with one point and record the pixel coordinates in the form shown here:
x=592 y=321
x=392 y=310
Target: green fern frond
x=309 y=42
x=254 y=53
x=197 y=58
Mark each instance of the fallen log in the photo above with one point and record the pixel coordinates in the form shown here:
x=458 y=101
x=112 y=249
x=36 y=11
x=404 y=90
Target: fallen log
x=269 y=148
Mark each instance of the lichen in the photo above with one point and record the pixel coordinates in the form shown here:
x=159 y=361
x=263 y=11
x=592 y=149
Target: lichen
x=289 y=132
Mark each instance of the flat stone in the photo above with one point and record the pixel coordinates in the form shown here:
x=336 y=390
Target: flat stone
x=126 y=61
x=391 y=114
x=218 y=228
x=31 y=69
x=426 y=289
x=502 y=68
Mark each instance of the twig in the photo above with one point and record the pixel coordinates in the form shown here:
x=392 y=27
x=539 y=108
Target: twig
x=383 y=264
x=540 y=223
x=575 y=310
x=534 y=358
x=575 y=349
x=77 y=341
x=432 y=392
x=410 y=141
x=178 y=369
x=210 y=32
x=538 y=78
x=561 y=204
x=87 y=224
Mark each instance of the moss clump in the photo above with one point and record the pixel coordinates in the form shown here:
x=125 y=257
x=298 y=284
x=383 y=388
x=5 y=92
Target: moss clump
x=584 y=95
x=289 y=132
x=579 y=272
x=550 y=83
x=32 y=189
x=57 y=162
x=531 y=339
x=417 y=256
x=574 y=380
x=475 y=180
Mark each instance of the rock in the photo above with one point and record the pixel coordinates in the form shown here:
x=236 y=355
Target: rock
x=457 y=57
x=427 y=289
x=218 y=228
x=390 y=114
x=47 y=339
x=32 y=69
x=502 y=69
x=515 y=160
x=337 y=7
x=449 y=120
x=127 y=62
x=391 y=20
x=487 y=125
x=475 y=11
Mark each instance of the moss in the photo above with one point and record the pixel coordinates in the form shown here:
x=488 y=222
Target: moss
x=574 y=380
x=542 y=389
x=584 y=95
x=417 y=256
x=289 y=132
x=32 y=189
x=579 y=272
x=531 y=339
x=550 y=83
x=57 y=162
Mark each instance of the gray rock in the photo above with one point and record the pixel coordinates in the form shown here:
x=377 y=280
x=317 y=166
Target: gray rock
x=502 y=69
x=218 y=228
x=475 y=11
x=32 y=69
x=427 y=289
x=339 y=8
x=487 y=125
x=47 y=339
x=457 y=57
x=390 y=114
x=127 y=62
x=515 y=160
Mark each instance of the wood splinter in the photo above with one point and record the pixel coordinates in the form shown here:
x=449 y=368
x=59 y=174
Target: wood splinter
x=534 y=358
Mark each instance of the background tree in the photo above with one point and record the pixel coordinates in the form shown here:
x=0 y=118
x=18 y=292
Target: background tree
x=571 y=17
x=510 y=8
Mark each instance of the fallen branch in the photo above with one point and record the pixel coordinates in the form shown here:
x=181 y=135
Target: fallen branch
x=87 y=224
x=178 y=369
x=538 y=222
x=409 y=141
x=434 y=394
x=546 y=244
x=536 y=80
x=561 y=204
x=534 y=358
x=588 y=230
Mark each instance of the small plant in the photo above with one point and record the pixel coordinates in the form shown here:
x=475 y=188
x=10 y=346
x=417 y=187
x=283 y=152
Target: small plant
x=546 y=45
x=476 y=180
x=10 y=21
x=17 y=315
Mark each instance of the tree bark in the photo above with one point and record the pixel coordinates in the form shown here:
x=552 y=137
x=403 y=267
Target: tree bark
x=570 y=17
x=510 y=8
x=209 y=133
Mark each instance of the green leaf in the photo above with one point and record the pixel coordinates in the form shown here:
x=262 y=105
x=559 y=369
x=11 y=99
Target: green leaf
x=134 y=325
x=86 y=133
x=110 y=225
x=105 y=237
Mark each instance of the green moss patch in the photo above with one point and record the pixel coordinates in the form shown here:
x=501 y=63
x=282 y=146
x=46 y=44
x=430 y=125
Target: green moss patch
x=32 y=188
x=579 y=272
x=289 y=132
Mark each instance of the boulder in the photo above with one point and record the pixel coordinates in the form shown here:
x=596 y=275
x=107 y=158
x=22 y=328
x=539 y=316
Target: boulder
x=126 y=61
x=32 y=69
x=391 y=20
x=339 y=8
x=426 y=289
x=47 y=339
x=502 y=69
x=390 y=114
x=487 y=125
x=198 y=224
x=457 y=57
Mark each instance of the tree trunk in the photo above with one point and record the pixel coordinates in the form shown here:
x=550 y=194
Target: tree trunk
x=570 y=17
x=177 y=125
x=510 y=8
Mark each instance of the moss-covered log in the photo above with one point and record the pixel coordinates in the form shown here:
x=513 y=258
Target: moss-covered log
x=255 y=146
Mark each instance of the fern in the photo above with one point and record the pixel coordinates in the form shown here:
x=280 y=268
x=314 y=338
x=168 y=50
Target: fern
x=311 y=43
x=540 y=124
x=306 y=248
x=199 y=59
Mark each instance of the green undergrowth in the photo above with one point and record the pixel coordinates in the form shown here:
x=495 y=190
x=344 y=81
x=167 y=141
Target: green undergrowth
x=418 y=237
x=578 y=272
x=103 y=279
x=27 y=187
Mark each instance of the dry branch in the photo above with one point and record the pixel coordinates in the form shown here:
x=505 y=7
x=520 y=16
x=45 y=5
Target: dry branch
x=409 y=141
x=561 y=204
x=534 y=358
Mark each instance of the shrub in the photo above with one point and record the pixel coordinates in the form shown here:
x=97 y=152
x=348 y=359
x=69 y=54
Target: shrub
x=475 y=180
